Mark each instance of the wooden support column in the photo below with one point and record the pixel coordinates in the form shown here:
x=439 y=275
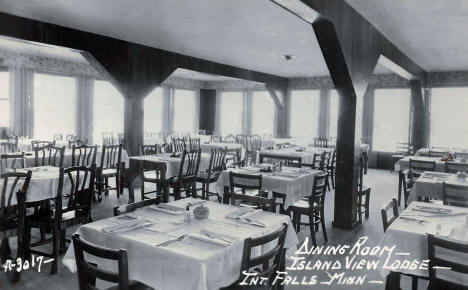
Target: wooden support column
x=207 y=120
x=418 y=127
x=324 y=113
x=348 y=141
x=281 y=117
x=133 y=124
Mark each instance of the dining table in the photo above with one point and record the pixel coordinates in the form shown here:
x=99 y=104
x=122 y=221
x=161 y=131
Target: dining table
x=408 y=233
x=294 y=183
x=425 y=151
x=430 y=184
x=271 y=143
x=168 y=161
x=165 y=252
x=403 y=164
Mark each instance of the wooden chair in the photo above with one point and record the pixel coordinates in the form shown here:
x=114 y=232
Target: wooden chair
x=107 y=138
x=131 y=207
x=89 y=272
x=254 y=201
x=460 y=155
x=186 y=180
x=321 y=142
x=120 y=138
x=245 y=184
x=111 y=166
x=154 y=173
x=49 y=155
x=149 y=149
x=405 y=183
x=12 y=144
x=325 y=161
x=419 y=166
x=12 y=161
x=268 y=263
x=166 y=148
x=312 y=206
x=363 y=199
x=12 y=216
x=216 y=166
x=36 y=143
x=76 y=143
x=456 y=195
x=194 y=143
x=84 y=155
x=454 y=167
x=300 y=165
x=216 y=139
x=402 y=150
x=453 y=257
x=71 y=209
x=438 y=153
x=71 y=137
x=386 y=221
x=178 y=145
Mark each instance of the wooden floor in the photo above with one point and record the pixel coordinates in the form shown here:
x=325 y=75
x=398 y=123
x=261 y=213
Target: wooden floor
x=384 y=188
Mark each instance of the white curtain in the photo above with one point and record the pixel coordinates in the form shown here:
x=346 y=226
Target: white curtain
x=21 y=83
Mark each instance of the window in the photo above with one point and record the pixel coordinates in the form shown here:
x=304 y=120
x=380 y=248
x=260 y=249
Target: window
x=334 y=111
x=305 y=108
x=391 y=118
x=4 y=99
x=153 y=107
x=108 y=110
x=449 y=117
x=184 y=111
x=263 y=113
x=231 y=112
x=54 y=105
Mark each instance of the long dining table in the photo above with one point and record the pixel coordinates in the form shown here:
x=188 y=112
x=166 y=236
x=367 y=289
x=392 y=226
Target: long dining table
x=409 y=233
x=403 y=164
x=293 y=183
x=167 y=253
x=171 y=164
x=305 y=155
x=430 y=184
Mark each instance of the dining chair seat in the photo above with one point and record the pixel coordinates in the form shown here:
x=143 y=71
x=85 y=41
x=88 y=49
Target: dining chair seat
x=302 y=204
x=250 y=192
x=150 y=176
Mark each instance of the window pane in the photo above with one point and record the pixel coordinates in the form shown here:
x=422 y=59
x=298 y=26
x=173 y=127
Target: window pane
x=108 y=110
x=305 y=106
x=449 y=117
x=334 y=110
x=184 y=111
x=263 y=113
x=54 y=106
x=153 y=111
x=4 y=99
x=232 y=104
x=391 y=118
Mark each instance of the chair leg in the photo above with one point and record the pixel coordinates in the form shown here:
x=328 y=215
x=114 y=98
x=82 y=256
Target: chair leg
x=324 y=230
x=414 y=283
x=5 y=250
x=142 y=190
x=312 y=231
x=106 y=185
x=333 y=179
x=392 y=281
x=367 y=203
x=62 y=237
x=55 y=249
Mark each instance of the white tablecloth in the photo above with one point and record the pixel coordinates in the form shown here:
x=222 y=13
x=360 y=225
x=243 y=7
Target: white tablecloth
x=187 y=264
x=206 y=148
x=173 y=163
x=430 y=185
x=425 y=151
x=305 y=156
x=410 y=236
x=293 y=187
x=403 y=164
x=43 y=184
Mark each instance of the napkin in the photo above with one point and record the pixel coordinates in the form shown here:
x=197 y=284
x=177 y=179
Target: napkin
x=286 y=174
x=166 y=208
x=238 y=213
x=213 y=234
x=126 y=226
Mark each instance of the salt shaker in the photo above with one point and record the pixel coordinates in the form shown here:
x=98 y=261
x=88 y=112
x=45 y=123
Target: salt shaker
x=187 y=217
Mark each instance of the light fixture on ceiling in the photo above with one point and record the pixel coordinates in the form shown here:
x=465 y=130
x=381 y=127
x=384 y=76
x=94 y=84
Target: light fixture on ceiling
x=288 y=56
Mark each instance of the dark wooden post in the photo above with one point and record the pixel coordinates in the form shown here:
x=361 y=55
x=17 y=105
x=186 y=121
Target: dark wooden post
x=207 y=118
x=418 y=127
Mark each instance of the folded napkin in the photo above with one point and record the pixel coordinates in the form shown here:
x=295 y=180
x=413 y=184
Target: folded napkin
x=436 y=210
x=126 y=226
x=166 y=208
x=224 y=237
x=286 y=174
x=238 y=213
x=209 y=240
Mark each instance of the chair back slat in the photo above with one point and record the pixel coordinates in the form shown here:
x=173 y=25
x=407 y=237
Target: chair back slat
x=194 y=143
x=321 y=142
x=49 y=155
x=111 y=156
x=245 y=182
x=217 y=160
x=178 y=145
x=230 y=139
x=455 y=167
x=131 y=207
x=421 y=165
x=12 y=161
x=9 y=188
x=216 y=139
x=190 y=163
x=150 y=149
x=84 y=155
x=107 y=138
